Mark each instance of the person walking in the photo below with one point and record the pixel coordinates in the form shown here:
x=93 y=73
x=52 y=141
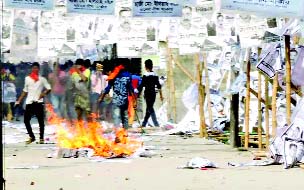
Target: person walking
x=35 y=88
x=150 y=81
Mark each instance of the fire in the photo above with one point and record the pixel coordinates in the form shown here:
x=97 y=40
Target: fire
x=80 y=134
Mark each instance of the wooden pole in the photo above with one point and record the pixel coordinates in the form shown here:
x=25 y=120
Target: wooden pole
x=207 y=90
x=234 y=116
x=288 y=79
x=260 y=106
x=266 y=110
x=184 y=70
x=247 y=103
x=274 y=104
x=173 y=91
x=201 y=97
x=168 y=83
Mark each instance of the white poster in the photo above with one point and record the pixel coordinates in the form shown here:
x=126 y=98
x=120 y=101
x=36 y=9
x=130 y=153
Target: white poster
x=51 y=33
x=7 y=28
x=282 y=8
x=104 y=30
x=24 y=39
x=270 y=60
x=87 y=51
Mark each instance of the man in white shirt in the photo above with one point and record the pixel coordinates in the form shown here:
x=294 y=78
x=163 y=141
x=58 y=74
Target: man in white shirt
x=34 y=90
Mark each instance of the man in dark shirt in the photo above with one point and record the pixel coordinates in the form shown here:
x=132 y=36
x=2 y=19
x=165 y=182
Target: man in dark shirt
x=150 y=82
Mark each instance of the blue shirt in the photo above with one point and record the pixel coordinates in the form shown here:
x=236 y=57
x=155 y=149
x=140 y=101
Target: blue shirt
x=122 y=86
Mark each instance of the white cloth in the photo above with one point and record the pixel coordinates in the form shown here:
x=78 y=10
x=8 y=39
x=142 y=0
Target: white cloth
x=34 y=89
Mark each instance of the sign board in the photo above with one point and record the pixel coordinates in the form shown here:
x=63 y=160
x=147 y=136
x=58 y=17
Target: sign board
x=30 y=4
x=272 y=8
x=104 y=7
x=149 y=8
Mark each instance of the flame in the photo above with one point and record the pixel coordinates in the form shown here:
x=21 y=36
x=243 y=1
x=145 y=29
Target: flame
x=80 y=134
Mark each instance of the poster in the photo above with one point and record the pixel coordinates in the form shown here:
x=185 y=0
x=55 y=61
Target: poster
x=105 y=7
x=7 y=26
x=149 y=8
x=136 y=48
x=24 y=38
x=30 y=4
x=84 y=27
x=51 y=33
x=282 y=8
x=104 y=30
x=105 y=51
x=270 y=60
x=88 y=51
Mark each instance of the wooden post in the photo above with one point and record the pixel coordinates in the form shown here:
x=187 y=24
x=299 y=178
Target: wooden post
x=288 y=79
x=266 y=110
x=274 y=104
x=207 y=90
x=168 y=83
x=172 y=85
x=260 y=106
x=234 y=116
x=247 y=103
x=201 y=97
x=184 y=70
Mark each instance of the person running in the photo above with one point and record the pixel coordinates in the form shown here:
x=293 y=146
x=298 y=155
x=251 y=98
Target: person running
x=35 y=88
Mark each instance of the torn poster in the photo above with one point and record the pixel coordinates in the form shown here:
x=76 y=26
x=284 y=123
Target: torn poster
x=271 y=60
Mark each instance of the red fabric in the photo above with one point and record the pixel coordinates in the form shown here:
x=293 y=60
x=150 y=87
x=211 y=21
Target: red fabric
x=115 y=72
x=82 y=68
x=34 y=75
x=135 y=83
x=72 y=70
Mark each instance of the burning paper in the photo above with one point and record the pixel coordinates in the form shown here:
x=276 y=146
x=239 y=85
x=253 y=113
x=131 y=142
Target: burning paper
x=77 y=135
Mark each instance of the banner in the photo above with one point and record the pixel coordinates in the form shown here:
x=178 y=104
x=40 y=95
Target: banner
x=267 y=7
x=30 y=4
x=104 y=7
x=150 y=8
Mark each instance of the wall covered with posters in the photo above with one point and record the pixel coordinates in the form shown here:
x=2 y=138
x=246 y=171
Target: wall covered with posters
x=47 y=32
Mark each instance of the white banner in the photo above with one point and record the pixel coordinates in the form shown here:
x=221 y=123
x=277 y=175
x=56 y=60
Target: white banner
x=150 y=8
x=104 y=7
x=30 y=4
x=267 y=7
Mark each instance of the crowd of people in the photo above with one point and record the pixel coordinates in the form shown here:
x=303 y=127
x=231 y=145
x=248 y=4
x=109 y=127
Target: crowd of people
x=79 y=90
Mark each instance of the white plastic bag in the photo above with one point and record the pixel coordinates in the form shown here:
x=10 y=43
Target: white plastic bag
x=190 y=96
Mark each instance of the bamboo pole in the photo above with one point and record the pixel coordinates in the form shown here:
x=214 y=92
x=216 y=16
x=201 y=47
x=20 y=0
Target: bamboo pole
x=288 y=79
x=201 y=97
x=266 y=110
x=260 y=110
x=247 y=105
x=207 y=90
x=260 y=106
x=173 y=91
x=256 y=95
x=182 y=68
x=274 y=104
x=168 y=83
